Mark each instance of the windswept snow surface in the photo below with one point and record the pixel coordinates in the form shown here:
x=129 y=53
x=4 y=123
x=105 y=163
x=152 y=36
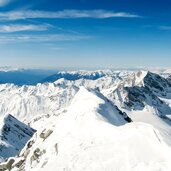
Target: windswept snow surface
x=87 y=140
x=87 y=121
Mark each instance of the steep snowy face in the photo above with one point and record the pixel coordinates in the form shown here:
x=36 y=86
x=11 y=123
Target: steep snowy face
x=169 y=78
x=145 y=79
x=157 y=84
x=93 y=135
x=91 y=102
x=13 y=136
x=134 y=79
x=140 y=90
x=27 y=101
x=138 y=98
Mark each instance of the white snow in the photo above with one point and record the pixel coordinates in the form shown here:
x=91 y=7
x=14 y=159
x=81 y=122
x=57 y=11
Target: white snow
x=26 y=102
x=89 y=133
x=87 y=141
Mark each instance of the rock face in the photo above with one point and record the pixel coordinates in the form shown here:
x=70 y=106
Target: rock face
x=169 y=78
x=157 y=84
x=141 y=90
x=7 y=165
x=138 y=97
x=13 y=136
x=45 y=133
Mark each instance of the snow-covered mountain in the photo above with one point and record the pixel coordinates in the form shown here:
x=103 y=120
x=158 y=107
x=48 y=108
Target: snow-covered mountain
x=76 y=75
x=25 y=102
x=93 y=135
x=100 y=120
x=13 y=136
x=141 y=89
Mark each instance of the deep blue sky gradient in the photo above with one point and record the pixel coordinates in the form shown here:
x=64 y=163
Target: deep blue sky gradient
x=116 y=42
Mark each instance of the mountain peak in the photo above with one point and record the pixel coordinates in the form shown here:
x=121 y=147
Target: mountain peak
x=13 y=136
x=89 y=102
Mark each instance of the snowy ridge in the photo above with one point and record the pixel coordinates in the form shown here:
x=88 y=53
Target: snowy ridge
x=83 y=139
x=83 y=124
x=101 y=106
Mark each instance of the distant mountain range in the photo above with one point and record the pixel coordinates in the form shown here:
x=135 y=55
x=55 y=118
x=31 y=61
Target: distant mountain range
x=88 y=120
x=21 y=76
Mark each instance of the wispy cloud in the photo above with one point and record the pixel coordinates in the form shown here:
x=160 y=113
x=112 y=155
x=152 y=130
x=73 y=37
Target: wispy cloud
x=15 y=15
x=165 y=27
x=4 y=2
x=16 y=28
x=41 y=38
x=158 y=27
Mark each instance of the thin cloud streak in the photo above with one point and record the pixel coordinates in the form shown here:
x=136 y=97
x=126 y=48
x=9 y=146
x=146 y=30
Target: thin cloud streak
x=17 y=28
x=159 y=27
x=41 y=38
x=165 y=27
x=31 y=14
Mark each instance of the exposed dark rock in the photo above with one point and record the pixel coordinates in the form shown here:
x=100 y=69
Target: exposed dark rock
x=14 y=133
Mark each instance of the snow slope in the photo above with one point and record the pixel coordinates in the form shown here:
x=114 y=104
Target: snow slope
x=85 y=139
x=86 y=122
x=25 y=102
x=13 y=136
x=128 y=90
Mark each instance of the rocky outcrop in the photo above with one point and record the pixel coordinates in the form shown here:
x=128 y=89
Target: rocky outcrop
x=45 y=133
x=14 y=135
x=141 y=90
x=159 y=85
x=7 y=165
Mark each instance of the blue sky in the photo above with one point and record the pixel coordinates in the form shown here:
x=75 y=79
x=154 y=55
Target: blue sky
x=85 y=33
